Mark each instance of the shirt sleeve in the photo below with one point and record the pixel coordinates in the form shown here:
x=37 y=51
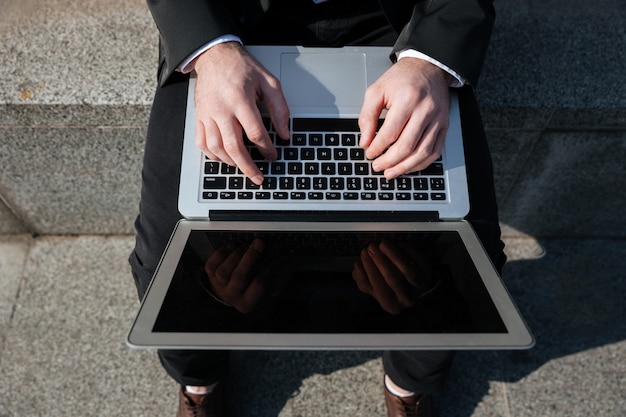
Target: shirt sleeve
x=412 y=53
x=186 y=65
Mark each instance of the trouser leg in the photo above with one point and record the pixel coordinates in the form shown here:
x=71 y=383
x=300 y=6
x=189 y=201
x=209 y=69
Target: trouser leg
x=158 y=215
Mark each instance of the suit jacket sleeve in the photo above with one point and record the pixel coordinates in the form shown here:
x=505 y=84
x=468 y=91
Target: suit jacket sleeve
x=454 y=32
x=186 y=25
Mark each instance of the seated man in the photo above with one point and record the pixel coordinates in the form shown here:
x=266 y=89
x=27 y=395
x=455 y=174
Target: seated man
x=436 y=45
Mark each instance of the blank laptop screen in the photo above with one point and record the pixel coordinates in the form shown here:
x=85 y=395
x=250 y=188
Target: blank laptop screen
x=327 y=282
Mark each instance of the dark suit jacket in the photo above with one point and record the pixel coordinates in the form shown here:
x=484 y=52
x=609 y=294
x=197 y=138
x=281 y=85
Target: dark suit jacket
x=454 y=32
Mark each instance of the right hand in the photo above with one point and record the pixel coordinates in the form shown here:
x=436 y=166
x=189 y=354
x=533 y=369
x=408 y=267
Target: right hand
x=229 y=84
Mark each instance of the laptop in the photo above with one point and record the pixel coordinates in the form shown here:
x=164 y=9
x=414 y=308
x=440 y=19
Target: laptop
x=372 y=265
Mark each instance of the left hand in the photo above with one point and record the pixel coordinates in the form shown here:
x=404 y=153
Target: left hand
x=416 y=95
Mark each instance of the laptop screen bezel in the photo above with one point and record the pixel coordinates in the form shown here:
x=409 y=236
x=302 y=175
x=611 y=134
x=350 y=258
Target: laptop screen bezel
x=141 y=334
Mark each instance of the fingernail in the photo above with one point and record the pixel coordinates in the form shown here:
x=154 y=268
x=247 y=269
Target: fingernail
x=257 y=179
x=258 y=245
x=390 y=174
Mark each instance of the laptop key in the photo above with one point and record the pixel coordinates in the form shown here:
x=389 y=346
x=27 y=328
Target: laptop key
x=344 y=169
x=298 y=139
x=433 y=169
x=370 y=184
x=361 y=168
x=348 y=139
x=278 y=168
x=303 y=183
x=235 y=183
x=420 y=183
x=437 y=184
x=315 y=139
x=337 y=183
x=294 y=168
x=214 y=183
x=211 y=167
x=228 y=170
x=285 y=183
x=353 y=183
x=331 y=139
x=320 y=183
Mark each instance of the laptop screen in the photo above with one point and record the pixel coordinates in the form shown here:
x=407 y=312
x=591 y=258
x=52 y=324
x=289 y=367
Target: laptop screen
x=274 y=285
x=326 y=282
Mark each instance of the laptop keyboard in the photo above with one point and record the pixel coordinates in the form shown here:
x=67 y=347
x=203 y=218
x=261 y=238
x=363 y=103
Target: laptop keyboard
x=321 y=161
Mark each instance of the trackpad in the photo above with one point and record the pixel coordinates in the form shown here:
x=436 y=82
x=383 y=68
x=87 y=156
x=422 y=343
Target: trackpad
x=323 y=80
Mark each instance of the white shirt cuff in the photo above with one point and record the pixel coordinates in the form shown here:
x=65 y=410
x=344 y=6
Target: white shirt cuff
x=185 y=67
x=412 y=53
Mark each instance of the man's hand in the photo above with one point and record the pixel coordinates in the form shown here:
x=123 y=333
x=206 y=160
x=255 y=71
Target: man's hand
x=229 y=84
x=234 y=278
x=415 y=93
x=394 y=276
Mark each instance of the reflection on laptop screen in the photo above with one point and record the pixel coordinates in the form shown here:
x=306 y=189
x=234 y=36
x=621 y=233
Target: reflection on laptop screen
x=318 y=282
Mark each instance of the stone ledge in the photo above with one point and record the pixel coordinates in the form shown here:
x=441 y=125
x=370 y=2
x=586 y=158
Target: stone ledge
x=79 y=77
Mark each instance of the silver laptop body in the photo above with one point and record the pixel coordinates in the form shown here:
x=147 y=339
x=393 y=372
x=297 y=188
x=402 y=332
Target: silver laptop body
x=316 y=244
x=322 y=84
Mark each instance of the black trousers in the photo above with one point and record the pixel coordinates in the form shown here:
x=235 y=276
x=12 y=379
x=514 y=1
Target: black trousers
x=420 y=371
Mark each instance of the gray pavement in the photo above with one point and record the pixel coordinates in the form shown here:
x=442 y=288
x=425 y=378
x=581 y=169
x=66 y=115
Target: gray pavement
x=78 y=78
x=66 y=303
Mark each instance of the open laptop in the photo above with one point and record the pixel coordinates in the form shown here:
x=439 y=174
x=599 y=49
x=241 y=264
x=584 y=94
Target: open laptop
x=312 y=287
x=324 y=88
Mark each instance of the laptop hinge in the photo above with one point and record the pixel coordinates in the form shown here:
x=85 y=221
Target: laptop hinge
x=324 y=216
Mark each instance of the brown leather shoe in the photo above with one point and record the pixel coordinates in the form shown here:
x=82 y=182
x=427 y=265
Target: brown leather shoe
x=418 y=405
x=209 y=405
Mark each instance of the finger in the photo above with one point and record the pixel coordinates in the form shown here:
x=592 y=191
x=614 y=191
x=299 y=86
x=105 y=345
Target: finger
x=248 y=261
x=401 y=261
x=212 y=264
x=224 y=271
x=256 y=132
x=213 y=143
x=360 y=278
x=238 y=266
x=392 y=127
x=392 y=276
x=416 y=148
x=273 y=98
x=234 y=147
x=207 y=135
x=253 y=294
x=380 y=289
x=373 y=105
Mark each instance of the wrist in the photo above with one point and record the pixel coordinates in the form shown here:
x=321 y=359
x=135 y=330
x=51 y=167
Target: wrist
x=214 y=47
